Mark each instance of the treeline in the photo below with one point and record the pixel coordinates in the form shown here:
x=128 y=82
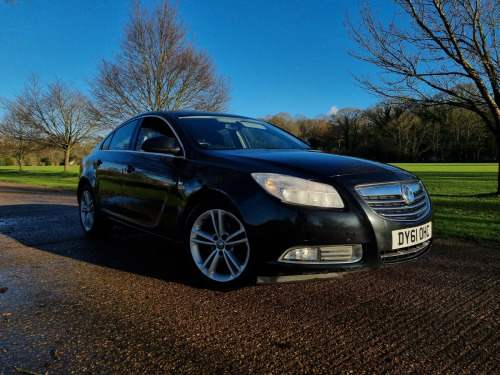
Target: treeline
x=385 y=132
x=393 y=133
x=41 y=156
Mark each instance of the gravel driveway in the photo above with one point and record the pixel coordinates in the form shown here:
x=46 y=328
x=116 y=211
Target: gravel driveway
x=125 y=305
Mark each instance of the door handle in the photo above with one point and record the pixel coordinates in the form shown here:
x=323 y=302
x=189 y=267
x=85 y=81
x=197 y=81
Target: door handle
x=98 y=162
x=130 y=168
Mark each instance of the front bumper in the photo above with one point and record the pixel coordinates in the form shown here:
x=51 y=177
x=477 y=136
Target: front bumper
x=275 y=227
x=276 y=268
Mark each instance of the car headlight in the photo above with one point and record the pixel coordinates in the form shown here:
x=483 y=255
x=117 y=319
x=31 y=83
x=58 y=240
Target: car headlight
x=299 y=191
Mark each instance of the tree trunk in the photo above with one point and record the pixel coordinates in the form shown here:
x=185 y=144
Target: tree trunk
x=66 y=159
x=498 y=151
x=498 y=185
x=498 y=160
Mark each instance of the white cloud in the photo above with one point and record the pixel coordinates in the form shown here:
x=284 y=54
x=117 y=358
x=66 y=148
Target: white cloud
x=333 y=110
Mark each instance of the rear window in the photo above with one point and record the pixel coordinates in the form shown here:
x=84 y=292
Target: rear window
x=122 y=136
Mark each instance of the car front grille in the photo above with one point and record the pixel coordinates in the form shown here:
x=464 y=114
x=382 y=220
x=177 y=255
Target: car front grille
x=405 y=253
x=406 y=201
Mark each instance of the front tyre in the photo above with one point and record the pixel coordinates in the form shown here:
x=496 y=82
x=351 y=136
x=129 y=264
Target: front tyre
x=90 y=218
x=218 y=248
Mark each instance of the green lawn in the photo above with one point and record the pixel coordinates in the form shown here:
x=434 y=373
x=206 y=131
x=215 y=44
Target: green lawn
x=42 y=176
x=462 y=195
x=465 y=205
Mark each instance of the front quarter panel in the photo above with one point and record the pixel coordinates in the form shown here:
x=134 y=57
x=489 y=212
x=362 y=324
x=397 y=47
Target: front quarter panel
x=87 y=173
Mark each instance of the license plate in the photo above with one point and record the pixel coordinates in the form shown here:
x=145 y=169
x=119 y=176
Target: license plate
x=411 y=236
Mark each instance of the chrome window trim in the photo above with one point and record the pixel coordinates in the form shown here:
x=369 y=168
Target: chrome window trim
x=153 y=153
x=173 y=131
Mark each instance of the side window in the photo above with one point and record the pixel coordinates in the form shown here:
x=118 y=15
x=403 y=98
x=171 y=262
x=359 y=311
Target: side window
x=105 y=144
x=122 y=136
x=151 y=127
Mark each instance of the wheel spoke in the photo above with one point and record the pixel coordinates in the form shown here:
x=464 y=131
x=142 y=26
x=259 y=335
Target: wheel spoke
x=201 y=242
x=237 y=242
x=230 y=237
x=214 y=263
x=206 y=236
x=220 y=216
x=87 y=210
x=87 y=220
x=88 y=201
x=214 y=223
x=232 y=263
x=209 y=260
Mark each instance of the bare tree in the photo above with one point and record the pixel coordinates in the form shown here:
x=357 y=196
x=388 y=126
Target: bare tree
x=18 y=134
x=410 y=134
x=382 y=114
x=347 y=121
x=158 y=68
x=284 y=121
x=306 y=126
x=435 y=52
x=62 y=116
x=466 y=133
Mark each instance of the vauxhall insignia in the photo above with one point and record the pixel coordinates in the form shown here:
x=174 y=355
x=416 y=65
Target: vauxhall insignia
x=231 y=204
x=407 y=194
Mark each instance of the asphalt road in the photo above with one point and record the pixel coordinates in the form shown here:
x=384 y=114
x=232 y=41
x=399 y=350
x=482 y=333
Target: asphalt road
x=125 y=305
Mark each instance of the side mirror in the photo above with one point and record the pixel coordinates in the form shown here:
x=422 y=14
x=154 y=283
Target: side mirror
x=161 y=144
x=313 y=143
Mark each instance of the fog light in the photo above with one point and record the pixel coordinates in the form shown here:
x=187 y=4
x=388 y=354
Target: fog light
x=302 y=254
x=331 y=254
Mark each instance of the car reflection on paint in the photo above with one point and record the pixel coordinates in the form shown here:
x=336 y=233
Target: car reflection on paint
x=242 y=196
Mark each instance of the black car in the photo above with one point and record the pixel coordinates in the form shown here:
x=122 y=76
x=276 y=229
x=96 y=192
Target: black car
x=241 y=195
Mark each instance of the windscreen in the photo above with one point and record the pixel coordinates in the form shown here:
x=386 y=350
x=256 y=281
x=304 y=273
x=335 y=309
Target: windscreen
x=232 y=133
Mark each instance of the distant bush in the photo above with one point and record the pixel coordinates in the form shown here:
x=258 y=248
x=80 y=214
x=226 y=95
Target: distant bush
x=7 y=162
x=45 y=161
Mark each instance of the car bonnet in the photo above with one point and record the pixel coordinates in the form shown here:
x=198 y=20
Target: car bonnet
x=309 y=163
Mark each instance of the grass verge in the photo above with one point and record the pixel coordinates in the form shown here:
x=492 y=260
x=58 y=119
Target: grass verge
x=53 y=177
x=465 y=206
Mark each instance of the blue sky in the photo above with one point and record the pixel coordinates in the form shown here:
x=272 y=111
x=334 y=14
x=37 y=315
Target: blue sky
x=282 y=56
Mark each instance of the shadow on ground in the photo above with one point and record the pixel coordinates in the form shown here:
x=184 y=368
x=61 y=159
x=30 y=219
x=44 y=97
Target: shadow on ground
x=122 y=249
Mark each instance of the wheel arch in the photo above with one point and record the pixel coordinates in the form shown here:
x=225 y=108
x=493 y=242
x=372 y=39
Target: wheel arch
x=84 y=181
x=202 y=196
x=243 y=265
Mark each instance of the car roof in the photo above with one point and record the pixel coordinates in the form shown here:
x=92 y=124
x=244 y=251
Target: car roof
x=186 y=113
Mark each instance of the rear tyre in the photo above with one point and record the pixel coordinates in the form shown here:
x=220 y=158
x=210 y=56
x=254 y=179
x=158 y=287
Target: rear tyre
x=217 y=247
x=91 y=219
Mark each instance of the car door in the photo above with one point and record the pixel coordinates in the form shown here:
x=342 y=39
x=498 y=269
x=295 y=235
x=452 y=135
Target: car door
x=109 y=167
x=150 y=179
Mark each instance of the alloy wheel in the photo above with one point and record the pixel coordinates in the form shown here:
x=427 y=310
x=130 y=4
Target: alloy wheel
x=219 y=245
x=87 y=211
